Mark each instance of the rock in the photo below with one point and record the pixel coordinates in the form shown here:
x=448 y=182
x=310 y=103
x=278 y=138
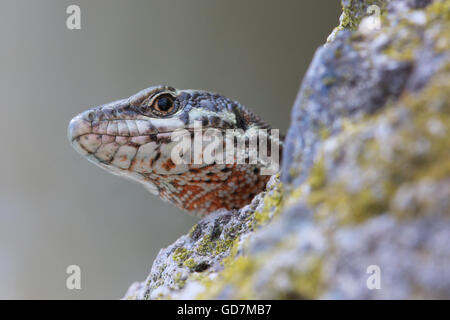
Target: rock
x=365 y=180
x=197 y=257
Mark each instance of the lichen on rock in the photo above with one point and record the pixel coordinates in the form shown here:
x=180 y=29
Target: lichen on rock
x=365 y=178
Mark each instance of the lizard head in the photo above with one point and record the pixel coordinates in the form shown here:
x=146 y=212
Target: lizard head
x=132 y=138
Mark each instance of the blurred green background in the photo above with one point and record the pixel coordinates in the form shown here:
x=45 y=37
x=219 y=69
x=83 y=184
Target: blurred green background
x=57 y=209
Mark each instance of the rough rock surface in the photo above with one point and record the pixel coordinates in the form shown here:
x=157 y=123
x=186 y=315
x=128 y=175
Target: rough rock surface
x=365 y=177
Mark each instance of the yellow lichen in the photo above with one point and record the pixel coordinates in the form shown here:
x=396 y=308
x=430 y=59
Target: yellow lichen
x=272 y=201
x=308 y=283
x=180 y=254
x=237 y=273
x=418 y=151
x=190 y=263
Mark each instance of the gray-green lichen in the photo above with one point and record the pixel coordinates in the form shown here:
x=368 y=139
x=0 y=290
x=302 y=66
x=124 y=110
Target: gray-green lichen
x=353 y=11
x=209 y=248
x=365 y=180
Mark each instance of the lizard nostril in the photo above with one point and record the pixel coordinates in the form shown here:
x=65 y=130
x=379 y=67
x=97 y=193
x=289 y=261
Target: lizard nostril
x=91 y=115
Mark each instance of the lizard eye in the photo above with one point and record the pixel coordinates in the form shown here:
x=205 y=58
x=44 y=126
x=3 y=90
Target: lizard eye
x=163 y=105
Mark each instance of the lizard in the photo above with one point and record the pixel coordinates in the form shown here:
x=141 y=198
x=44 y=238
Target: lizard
x=131 y=137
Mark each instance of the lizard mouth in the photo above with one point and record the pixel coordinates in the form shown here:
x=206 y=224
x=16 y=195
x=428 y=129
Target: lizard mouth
x=91 y=135
x=136 y=127
x=120 y=139
x=129 y=147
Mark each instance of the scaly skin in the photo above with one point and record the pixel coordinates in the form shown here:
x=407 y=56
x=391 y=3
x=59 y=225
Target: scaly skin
x=131 y=138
